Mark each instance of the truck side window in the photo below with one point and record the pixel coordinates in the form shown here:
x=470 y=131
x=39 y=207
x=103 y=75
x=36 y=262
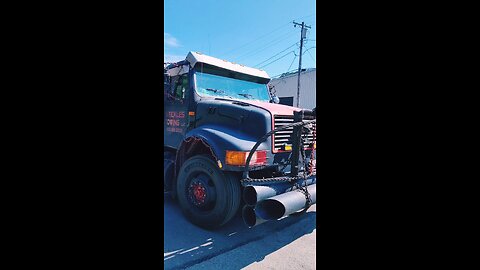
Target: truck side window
x=180 y=87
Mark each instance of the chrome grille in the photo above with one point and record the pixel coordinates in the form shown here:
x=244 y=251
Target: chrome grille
x=283 y=137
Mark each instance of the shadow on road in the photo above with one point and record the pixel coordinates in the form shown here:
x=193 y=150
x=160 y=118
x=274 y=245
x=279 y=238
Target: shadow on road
x=186 y=244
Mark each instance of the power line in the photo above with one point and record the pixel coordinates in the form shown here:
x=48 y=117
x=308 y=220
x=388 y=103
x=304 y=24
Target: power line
x=292 y=62
x=276 y=59
x=259 y=38
x=275 y=55
x=269 y=33
x=312 y=57
x=309 y=49
x=270 y=44
x=262 y=46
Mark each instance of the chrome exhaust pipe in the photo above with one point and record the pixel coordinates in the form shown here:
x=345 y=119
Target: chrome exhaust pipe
x=250 y=218
x=254 y=194
x=284 y=204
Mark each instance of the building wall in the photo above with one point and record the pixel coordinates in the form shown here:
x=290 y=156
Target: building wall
x=287 y=87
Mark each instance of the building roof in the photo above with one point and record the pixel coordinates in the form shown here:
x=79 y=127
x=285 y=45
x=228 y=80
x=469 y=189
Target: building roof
x=294 y=73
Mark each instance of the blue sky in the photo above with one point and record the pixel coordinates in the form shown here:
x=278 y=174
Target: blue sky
x=254 y=33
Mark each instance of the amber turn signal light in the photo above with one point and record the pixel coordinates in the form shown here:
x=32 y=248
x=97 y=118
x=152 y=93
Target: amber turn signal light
x=239 y=158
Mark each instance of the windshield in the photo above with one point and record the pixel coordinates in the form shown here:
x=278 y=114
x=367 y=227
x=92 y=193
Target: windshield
x=219 y=86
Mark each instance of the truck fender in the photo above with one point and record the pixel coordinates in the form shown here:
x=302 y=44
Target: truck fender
x=221 y=139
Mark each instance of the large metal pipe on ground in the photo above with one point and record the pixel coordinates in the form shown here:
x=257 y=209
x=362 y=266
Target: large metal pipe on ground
x=284 y=204
x=253 y=194
x=250 y=218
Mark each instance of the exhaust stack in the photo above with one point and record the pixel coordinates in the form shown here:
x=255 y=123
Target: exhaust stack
x=277 y=206
x=285 y=204
x=250 y=218
x=254 y=194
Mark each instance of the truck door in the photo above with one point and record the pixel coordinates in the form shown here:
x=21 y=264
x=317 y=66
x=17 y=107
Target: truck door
x=175 y=114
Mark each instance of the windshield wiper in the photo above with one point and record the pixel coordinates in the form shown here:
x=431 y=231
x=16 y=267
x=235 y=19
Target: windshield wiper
x=215 y=90
x=218 y=91
x=246 y=95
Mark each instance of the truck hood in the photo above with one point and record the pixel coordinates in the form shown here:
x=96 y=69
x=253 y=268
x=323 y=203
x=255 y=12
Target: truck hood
x=274 y=109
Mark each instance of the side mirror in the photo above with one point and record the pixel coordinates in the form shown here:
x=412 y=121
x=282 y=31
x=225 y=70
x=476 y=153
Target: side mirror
x=275 y=100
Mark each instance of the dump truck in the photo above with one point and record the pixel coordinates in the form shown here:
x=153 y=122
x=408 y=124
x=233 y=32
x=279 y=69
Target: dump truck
x=229 y=146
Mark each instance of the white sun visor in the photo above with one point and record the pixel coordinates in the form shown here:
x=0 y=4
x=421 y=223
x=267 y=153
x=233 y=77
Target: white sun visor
x=194 y=57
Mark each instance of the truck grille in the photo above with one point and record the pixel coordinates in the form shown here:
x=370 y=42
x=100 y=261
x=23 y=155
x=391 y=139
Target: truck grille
x=283 y=137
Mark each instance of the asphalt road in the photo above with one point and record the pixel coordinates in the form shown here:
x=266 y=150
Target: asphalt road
x=288 y=243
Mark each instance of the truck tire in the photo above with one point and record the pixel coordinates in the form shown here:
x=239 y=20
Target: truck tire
x=209 y=197
x=168 y=173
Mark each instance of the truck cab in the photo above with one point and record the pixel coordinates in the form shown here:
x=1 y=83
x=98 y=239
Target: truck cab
x=215 y=113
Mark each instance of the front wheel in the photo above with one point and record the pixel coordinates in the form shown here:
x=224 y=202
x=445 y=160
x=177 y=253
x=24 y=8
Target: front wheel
x=208 y=196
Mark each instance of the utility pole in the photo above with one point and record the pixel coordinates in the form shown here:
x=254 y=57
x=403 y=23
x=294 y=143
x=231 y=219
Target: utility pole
x=302 y=37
